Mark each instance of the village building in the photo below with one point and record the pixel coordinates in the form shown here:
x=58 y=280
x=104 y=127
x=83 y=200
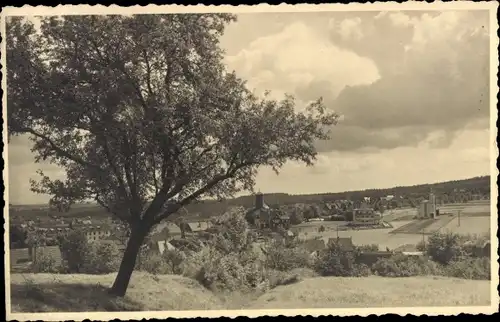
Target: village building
x=365 y=215
x=264 y=217
x=427 y=208
x=344 y=243
x=95 y=233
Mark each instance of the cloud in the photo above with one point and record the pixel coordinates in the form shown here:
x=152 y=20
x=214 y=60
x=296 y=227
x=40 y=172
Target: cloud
x=350 y=28
x=337 y=171
x=438 y=85
x=397 y=78
x=22 y=168
x=298 y=59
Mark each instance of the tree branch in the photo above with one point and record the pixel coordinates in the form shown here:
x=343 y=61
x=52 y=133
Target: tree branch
x=58 y=150
x=231 y=171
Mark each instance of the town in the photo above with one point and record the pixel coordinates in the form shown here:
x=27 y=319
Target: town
x=390 y=215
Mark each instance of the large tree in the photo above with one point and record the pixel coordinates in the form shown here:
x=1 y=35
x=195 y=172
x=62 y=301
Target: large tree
x=143 y=116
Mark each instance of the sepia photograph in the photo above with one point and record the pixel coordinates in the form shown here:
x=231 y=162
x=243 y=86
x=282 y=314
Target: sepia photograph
x=190 y=161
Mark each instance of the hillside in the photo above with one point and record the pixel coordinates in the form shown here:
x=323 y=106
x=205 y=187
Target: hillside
x=208 y=208
x=63 y=293
x=344 y=292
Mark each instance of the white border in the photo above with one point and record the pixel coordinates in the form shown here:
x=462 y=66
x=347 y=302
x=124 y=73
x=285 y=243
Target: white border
x=389 y=6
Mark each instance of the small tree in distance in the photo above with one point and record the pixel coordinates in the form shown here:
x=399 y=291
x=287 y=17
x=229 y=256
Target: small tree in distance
x=143 y=116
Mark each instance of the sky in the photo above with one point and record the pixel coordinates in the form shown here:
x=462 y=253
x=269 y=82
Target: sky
x=412 y=89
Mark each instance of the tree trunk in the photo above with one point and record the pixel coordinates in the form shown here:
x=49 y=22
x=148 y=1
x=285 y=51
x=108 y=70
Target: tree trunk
x=127 y=265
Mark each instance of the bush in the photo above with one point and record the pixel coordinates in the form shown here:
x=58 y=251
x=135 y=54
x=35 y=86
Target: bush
x=153 y=263
x=335 y=261
x=283 y=258
x=225 y=272
x=173 y=259
x=444 y=247
x=228 y=261
x=321 y=229
x=102 y=258
x=277 y=278
x=405 y=266
x=470 y=268
x=45 y=263
x=74 y=249
x=451 y=247
x=296 y=217
x=368 y=248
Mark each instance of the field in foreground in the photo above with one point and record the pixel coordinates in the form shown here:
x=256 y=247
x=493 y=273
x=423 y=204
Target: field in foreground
x=77 y=293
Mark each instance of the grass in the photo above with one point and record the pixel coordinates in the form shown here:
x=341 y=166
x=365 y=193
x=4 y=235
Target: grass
x=80 y=293
x=371 y=236
x=341 y=292
x=469 y=225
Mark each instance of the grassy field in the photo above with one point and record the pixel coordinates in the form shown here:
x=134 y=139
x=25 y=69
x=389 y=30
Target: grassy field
x=78 y=293
x=469 y=225
x=382 y=237
x=341 y=292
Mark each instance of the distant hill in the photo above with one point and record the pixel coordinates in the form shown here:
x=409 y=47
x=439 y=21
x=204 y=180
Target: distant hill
x=209 y=208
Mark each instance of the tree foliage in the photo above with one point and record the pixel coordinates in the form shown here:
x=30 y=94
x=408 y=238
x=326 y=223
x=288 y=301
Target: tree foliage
x=144 y=117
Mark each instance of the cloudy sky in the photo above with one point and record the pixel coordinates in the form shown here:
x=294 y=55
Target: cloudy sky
x=412 y=89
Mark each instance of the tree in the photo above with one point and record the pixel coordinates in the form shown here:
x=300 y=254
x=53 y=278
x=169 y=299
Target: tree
x=18 y=236
x=144 y=118
x=296 y=217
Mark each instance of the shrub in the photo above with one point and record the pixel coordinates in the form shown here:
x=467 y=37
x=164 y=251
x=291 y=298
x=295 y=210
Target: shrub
x=470 y=268
x=321 y=229
x=368 y=248
x=225 y=272
x=283 y=258
x=450 y=247
x=277 y=278
x=296 y=217
x=102 y=258
x=335 y=261
x=173 y=259
x=153 y=263
x=404 y=266
x=45 y=263
x=444 y=247
x=233 y=234
x=74 y=249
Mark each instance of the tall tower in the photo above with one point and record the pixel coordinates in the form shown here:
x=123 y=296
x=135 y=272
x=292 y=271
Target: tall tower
x=259 y=200
x=432 y=203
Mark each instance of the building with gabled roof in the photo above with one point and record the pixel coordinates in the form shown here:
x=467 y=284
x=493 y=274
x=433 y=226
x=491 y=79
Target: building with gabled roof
x=345 y=243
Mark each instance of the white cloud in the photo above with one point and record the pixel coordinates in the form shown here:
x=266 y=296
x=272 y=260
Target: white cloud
x=296 y=57
x=468 y=156
x=351 y=28
x=400 y=19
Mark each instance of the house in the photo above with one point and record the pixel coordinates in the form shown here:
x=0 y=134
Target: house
x=198 y=226
x=259 y=216
x=51 y=251
x=344 y=243
x=160 y=246
x=94 y=233
x=366 y=216
x=314 y=245
x=264 y=217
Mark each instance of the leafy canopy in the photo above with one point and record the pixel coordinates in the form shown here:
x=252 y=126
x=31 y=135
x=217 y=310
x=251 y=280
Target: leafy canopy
x=142 y=114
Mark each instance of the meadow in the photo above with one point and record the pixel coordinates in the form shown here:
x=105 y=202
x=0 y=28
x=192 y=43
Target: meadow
x=275 y=276
x=79 y=293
